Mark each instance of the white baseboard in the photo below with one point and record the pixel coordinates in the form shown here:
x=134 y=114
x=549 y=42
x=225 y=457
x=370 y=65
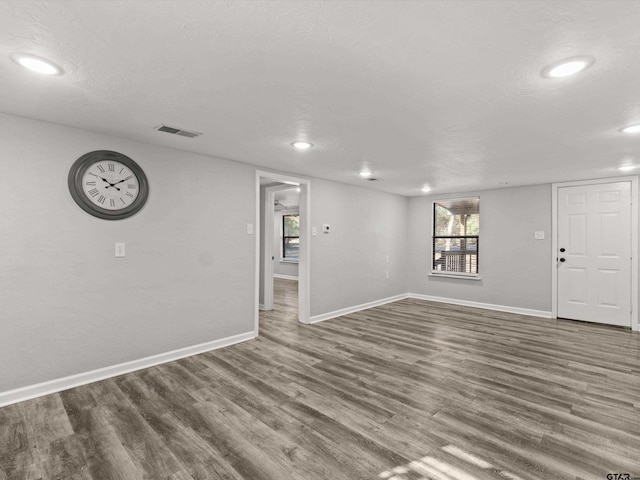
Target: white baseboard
x=286 y=277
x=356 y=308
x=60 y=384
x=486 y=306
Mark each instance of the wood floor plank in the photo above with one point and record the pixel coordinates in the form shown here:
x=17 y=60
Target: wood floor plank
x=147 y=451
x=105 y=455
x=405 y=391
x=201 y=460
x=19 y=457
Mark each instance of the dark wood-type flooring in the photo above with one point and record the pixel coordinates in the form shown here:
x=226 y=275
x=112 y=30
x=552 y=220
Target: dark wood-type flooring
x=409 y=390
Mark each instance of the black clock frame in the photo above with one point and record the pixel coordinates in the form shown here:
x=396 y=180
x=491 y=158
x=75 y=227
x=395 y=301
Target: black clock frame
x=82 y=164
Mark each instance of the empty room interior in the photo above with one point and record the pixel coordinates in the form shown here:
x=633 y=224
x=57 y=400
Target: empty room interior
x=314 y=239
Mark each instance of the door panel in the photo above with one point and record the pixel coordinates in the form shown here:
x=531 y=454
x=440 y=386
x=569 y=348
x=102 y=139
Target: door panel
x=607 y=292
x=594 y=229
x=577 y=285
x=577 y=234
x=610 y=241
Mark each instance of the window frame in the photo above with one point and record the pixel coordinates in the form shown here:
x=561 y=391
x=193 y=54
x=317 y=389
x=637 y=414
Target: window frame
x=446 y=273
x=284 y=238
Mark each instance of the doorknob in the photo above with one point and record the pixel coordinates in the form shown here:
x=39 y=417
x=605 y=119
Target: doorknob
x=563 y=259
x=562 y=250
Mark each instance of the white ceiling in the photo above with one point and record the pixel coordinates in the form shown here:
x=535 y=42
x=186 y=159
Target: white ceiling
x=289 y=198
x=447 y=93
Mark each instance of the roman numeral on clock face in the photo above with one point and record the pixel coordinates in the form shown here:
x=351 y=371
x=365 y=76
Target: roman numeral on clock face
x=112 y=202
x=112 y=167
x=93 y=192
x=101 y=199
x=101 y=168
x=91 y=184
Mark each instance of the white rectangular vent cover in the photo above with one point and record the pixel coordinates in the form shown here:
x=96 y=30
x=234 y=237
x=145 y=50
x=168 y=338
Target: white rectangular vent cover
x=177 y=131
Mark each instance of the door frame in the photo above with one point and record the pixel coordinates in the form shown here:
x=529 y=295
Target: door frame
x=304 y=262
x=634 y=240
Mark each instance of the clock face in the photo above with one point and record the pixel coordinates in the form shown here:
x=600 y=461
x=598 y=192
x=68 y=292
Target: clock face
x=108 y=185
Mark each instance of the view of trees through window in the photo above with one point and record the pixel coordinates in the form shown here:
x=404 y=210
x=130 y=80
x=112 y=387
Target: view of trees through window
x=456 y=232
x=290 y=237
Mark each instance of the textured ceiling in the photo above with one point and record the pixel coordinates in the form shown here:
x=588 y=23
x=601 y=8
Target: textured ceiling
x=444 y=93
x=288 y=198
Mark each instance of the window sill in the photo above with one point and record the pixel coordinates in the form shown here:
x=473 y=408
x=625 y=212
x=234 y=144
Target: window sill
x=453 y=275
x=282 y=260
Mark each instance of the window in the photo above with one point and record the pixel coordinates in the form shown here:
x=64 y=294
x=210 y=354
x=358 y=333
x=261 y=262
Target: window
x=456 y=231
x=290 y=237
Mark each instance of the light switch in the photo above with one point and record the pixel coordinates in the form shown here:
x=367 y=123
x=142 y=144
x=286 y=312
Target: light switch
x=538 y=235
x=314 y=231
x=119 y=250
x=249 y=228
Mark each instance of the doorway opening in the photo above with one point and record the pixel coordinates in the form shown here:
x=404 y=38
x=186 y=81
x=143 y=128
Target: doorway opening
x=282 y=247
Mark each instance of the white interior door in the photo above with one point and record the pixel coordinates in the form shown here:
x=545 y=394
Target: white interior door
x=594 y=253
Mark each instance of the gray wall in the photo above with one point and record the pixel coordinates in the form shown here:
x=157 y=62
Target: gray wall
x=285 y=268
x=67 y=305
x=348 y=265
x=515 y=269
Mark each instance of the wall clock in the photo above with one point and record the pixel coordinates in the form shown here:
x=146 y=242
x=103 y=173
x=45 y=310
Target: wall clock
x=108 y=185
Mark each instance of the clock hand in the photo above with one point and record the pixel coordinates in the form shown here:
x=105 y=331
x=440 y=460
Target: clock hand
x=103 y=179
x=123 y=180
x=106 y=181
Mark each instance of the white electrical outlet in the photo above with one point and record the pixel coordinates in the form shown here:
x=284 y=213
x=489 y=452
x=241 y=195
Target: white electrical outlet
x=120 y=250
x=325 y=228
x=538 y=235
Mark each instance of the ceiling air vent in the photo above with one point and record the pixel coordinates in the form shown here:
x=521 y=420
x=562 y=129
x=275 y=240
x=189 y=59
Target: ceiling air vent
x=177 y=131
x=374 y=179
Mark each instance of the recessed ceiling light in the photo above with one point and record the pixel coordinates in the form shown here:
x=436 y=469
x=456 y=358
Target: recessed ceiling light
x=426 y=188
x=567 y=67
x=631 y=129
x=627 y=168
x=36 y=64
x=302 y=145
x=365 y=173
